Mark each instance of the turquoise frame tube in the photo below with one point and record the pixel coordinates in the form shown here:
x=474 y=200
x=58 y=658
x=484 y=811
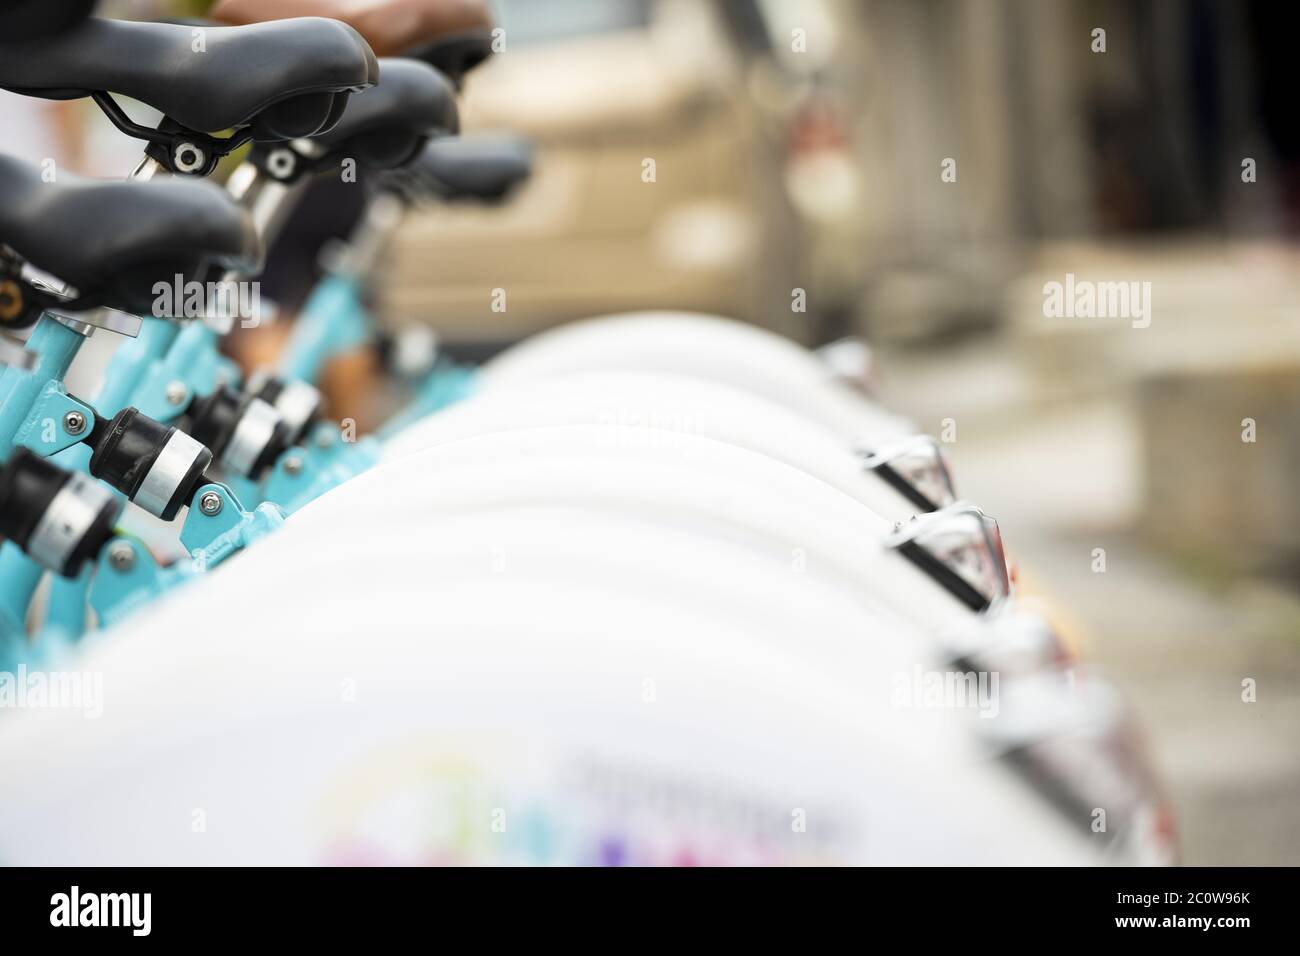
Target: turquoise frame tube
x=29 y=398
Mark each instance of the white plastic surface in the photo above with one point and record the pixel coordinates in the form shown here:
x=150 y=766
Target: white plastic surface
x=651 y=408
x=715 y=489
x=708 y=347
x=523 y=686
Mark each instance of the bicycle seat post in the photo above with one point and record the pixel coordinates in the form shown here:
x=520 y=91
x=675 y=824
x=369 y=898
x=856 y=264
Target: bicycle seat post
x=268 y=196
x=383 y=129
x=146 y=169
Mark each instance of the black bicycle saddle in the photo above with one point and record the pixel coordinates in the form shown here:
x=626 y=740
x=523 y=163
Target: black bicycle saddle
x=284 y=79
x=385 y=126
x=112 y=240
x=482 y=167
x=456 y=54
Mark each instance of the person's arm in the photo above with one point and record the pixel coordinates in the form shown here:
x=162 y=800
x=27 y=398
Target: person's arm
x=391 y=27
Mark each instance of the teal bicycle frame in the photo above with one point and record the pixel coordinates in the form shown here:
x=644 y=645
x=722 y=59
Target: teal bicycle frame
x=34 y=409
x=159 y=372
x=333 y=322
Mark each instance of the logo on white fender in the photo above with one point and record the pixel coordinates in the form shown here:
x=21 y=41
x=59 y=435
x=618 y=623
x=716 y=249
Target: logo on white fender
x=102 y=909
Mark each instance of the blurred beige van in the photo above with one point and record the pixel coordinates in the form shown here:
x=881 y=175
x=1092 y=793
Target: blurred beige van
x=653 y=186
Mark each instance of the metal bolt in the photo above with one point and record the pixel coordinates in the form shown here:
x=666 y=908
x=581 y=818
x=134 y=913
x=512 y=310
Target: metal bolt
x=280 y=162
x=175 y=393
x=210 y=503
x=188 y=158
x=74 y=423
x=121 y=557
x=292 y=465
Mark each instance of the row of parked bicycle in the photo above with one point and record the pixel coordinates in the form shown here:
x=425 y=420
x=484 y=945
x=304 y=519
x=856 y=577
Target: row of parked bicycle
x=652 y=588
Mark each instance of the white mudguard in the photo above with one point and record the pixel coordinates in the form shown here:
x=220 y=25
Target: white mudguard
x=514 y=687
x=715 y=489
x=716 y=349
x=651 y=408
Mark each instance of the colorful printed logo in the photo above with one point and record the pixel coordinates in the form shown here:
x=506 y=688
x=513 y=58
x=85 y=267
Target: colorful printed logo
x=425 y=802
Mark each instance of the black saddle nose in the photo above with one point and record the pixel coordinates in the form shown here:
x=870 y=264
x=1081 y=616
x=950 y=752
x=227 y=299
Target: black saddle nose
x=113 y=241
x=482 y=167
x=386 y=125
x=456 y=54
x=283 y=79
